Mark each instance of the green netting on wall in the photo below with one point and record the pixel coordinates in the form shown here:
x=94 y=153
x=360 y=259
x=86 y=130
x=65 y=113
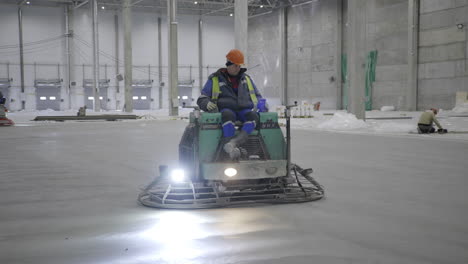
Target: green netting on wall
x=371 y=62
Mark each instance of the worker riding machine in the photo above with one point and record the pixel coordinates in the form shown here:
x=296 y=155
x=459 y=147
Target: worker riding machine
x=207 y=177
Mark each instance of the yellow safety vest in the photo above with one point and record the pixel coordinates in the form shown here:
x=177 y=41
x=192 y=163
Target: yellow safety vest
x=216 y=91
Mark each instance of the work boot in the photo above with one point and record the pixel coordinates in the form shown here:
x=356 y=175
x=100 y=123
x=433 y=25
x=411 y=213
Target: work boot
x=232 y=147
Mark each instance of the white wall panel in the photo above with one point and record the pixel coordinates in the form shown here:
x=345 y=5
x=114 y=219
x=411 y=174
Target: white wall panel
x=41 y=23
x=218 y=39
x=9 y=50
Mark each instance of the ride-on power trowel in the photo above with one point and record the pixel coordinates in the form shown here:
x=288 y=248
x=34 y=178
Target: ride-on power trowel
x=208 y=177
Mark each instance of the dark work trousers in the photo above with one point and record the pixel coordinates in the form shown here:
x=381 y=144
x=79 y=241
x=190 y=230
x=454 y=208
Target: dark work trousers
x=425 y=129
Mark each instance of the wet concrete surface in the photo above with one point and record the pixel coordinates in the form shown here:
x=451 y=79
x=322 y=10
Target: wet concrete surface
x=68 y=195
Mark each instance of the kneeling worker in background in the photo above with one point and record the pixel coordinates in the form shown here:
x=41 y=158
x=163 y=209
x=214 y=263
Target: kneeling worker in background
x=3 y=109
x=426 y=120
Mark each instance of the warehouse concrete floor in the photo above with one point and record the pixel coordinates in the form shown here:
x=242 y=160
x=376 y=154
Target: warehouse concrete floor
x=68 y=195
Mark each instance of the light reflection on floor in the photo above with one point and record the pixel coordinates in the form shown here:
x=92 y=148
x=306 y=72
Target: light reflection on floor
x=176 y=227
x=178 y=235
x=187 y=236
x=175 y=233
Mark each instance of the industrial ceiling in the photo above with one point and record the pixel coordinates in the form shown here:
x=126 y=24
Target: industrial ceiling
x=187 y=7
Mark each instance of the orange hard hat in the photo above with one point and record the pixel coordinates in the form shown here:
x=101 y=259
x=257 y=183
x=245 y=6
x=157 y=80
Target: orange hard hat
x=235 y=56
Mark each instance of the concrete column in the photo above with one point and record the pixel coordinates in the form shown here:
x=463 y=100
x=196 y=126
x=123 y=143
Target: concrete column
x=160 y=68
x=283 y=28
x=127 y=26
x=413 y=30
x=356 y=57
x=241 y=20
x=70 y=58
x=117 y=52
x=338 y=52
x=173 y=59
x=97 y=102
x=200 y=54
x=94 y=11
x=67 y=58
x=20 y=25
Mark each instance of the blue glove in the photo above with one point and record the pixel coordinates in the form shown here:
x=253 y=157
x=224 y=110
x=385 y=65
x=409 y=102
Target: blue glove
x=262 y=105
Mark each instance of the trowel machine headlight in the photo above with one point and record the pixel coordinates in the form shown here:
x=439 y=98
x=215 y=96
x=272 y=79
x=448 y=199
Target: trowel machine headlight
x=230 y=172
x=177 y=175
